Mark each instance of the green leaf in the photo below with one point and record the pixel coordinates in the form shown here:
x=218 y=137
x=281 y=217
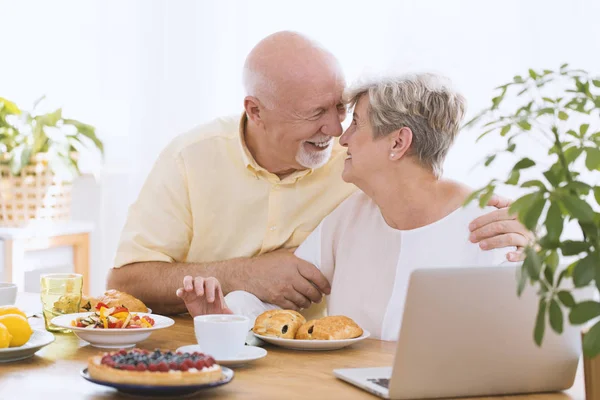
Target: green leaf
x=505 y=129
x=524 y=203
x=521 y=279
x=596 y=82
x=518 y=79
x=534 y=183
x=573 y=153
x=566 y=298
x=572 y=248
x=525 y=125
x=533 y=74
x=573 y=133
x=584 y=311
x=540 y=322
x=548 y=99
x=531 y=217
x=584 y=271
x=563 y=116
x=592 y=161
x=552 y=263
x=591 y=341
x=524 y=163
x=532 y=263
x=511 y=147
x=489 y=160
x=597 y=194
x=485 y=198
x=579 y=187
x=583 y=128
x=514 y=177
x=556 y=317
x=552 y=177
x=564 y=66
x=554 y=222
x=546 y=110
x=578 y=208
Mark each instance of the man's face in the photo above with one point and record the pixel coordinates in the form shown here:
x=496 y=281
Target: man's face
x=303 y=128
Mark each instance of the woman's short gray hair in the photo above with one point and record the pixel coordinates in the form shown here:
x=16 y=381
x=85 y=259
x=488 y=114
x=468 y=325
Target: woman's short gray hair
x=425 y=103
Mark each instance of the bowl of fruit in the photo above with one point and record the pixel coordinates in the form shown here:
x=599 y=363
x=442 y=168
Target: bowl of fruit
x=112 y=327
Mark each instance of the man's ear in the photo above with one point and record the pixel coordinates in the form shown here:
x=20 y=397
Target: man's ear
x=253 y=109
x=400 y=141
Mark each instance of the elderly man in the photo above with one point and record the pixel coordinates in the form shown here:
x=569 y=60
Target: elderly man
x=233 y=198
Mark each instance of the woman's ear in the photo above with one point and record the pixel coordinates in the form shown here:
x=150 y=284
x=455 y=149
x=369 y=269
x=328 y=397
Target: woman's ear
x=253 y=108
x=400 y=141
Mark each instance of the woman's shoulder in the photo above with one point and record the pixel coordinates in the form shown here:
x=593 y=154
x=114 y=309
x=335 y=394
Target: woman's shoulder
x=355 y=205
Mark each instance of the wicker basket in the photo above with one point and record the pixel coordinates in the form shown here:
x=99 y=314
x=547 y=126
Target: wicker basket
x=33 y=195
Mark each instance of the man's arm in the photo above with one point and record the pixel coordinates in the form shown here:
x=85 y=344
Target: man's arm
x=278 y=277
x=499 y=229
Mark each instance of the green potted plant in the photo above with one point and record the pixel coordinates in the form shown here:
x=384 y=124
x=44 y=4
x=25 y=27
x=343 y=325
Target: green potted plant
x=557 y=114
x=39 y=157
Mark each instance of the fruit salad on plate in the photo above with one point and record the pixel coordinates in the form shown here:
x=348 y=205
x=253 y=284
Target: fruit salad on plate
x=105 y=317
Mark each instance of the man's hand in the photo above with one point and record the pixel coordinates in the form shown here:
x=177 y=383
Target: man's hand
x=499 y=229
x=203 y=296
x=285 y=280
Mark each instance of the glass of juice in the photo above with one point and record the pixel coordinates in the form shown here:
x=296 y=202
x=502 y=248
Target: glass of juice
x=61 y=294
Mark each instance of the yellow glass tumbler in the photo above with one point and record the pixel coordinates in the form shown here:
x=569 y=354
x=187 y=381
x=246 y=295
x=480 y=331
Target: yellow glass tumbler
x=61 y=294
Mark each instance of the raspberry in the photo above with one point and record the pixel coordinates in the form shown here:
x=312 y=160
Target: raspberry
x=123 y=352
x=129 y=367
x=152 y=367
x=163 y=367
x=189 y=363
x=184 y=367
x=200 y=364
x=141 y=367
x=173 y=365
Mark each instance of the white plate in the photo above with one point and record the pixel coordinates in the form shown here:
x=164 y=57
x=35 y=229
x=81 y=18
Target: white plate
x=249 y=354
x=112 y=338
x=296 y=344
x=38 y=339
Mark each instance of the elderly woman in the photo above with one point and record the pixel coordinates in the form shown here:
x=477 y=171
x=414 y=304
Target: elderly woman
x=405 y=217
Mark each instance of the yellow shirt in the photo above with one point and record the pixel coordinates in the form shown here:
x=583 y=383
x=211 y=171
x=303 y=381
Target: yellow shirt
x=206 y=199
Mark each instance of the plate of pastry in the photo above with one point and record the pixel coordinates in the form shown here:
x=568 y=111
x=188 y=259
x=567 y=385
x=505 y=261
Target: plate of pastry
x=289 y=329
x=156 y=373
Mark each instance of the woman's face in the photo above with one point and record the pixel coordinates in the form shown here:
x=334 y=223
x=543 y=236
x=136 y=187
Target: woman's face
x=367 y=156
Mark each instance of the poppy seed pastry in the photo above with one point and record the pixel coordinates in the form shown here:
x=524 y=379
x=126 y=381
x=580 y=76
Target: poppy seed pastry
x=278 y=323
x=335 y=327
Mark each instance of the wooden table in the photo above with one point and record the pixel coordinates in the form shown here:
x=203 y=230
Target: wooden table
x=53 y=373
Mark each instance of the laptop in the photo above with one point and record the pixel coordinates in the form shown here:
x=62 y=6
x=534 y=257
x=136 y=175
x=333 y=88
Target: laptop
x=465 y=332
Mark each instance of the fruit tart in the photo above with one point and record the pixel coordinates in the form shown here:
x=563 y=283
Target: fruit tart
x=155 y=368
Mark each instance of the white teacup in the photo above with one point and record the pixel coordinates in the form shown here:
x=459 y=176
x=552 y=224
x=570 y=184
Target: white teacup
x=221 y=336
x=8 y=294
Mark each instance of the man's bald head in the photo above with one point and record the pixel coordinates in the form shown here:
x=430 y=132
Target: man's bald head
x=284 y=64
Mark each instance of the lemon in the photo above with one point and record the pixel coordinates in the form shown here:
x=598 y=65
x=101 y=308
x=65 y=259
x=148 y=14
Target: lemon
x=18 y=327
x=11 y=310
x=5 y=336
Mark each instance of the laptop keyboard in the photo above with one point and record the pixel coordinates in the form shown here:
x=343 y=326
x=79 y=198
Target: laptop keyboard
x=384 y=382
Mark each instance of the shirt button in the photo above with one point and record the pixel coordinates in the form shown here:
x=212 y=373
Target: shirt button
x=272 y=228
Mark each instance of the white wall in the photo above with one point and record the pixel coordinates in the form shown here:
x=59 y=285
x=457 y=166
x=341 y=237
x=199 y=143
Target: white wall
x=144 y=71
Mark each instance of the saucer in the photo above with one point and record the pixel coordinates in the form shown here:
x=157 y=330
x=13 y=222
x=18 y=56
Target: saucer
x=249 y=354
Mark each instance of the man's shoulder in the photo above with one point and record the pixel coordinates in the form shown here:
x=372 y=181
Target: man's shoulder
x=217 y=132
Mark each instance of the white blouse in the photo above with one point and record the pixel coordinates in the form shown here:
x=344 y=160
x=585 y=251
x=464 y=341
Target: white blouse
x=368 y=263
